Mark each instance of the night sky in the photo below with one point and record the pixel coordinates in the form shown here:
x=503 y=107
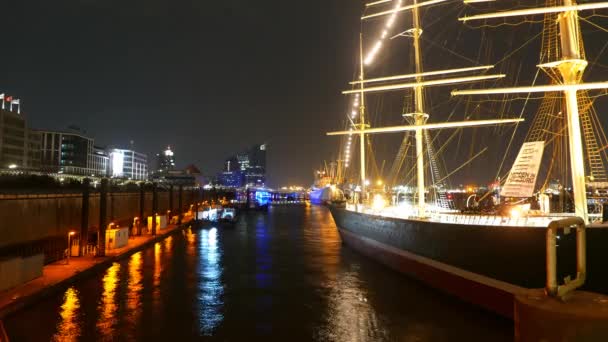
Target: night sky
x=208 y=78
x=211 y=78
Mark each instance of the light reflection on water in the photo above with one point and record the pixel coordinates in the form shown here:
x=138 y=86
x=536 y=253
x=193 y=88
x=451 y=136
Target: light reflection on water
x=107 y=306
x=210 y=287
x=282 y=275
x=69 y=327
x=135 y=287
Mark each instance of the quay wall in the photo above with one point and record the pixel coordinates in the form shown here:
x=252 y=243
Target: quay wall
x=34 y=223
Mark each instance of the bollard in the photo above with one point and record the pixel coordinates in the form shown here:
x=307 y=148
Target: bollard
x=103 y=208
x=84 y=218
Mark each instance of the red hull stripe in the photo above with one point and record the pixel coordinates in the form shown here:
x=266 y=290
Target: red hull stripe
x=488 y=293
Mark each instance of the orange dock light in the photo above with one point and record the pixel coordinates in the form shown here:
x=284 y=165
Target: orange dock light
x=69 y=249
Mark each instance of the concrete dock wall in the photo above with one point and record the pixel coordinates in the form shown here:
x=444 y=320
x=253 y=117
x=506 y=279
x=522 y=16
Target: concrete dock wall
x=30 y=223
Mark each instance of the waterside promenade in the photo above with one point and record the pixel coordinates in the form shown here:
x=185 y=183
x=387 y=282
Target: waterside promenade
x=56 y=276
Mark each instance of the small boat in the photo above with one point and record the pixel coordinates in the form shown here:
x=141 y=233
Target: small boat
x=228 y=215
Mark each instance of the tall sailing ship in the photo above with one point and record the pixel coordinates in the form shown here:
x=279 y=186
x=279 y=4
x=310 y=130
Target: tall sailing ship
x=421 y=234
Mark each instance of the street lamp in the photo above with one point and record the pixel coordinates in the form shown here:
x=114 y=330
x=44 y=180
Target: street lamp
x=69 y=250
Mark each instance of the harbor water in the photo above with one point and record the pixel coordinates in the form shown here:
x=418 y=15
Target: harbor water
x=281 y=275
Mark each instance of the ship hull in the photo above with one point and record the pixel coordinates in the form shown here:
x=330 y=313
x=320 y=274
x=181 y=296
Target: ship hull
x=510 y=255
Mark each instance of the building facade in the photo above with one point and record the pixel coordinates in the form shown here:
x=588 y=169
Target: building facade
x=246 y=169
x=72 y=152
x=165 y=161
x=100 y=162
x=128 y=164
x=255 y=173
x=19 y=146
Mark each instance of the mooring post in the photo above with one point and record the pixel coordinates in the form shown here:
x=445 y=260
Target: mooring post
x=179 y=203
x=142 y=203
x=154 y=207
x=171 y=210
x=103 y=211
x=84 y=217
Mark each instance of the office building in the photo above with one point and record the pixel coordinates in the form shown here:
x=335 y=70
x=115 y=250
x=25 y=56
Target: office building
x=19 y=146
x=72 y=152
x=128 y=164
x=165 y=161
x=245 y=169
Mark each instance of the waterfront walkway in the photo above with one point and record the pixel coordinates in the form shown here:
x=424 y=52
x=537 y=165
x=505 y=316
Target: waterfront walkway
x=58 y=275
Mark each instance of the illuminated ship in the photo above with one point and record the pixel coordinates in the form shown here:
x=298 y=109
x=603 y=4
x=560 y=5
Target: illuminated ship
x=324 y=187
x=482 y=256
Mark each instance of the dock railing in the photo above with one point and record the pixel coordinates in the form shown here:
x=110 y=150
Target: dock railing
x=552 y=287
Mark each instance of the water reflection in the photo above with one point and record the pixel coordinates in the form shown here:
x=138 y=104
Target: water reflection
x=263 y=275
x=282 y=275
x=107 y=307
x=69 y=327
x=350 y=316
x=210 y=288
x=157 y=268
x=263 y=259
x=135 y=287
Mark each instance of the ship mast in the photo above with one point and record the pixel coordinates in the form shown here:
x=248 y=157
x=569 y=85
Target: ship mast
x=362 y=120
x=420 y=116
x=438 y=78
x=571 y=67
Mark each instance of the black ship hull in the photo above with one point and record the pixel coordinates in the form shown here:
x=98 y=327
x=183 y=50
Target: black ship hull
x=507 y=259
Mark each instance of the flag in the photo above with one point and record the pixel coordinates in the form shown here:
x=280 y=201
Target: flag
x=14 y=102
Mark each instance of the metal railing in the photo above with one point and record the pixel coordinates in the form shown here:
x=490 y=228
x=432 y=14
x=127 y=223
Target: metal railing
x=552 y=287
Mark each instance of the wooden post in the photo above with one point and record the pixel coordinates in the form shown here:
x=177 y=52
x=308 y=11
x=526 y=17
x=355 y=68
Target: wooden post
x=179 y=203
x=103 y=212
x=154 y=207
x=84 y=218
x=171 y=210
x=142 y=200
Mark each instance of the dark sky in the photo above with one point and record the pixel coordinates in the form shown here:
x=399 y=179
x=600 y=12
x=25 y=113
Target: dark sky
x=209 y=78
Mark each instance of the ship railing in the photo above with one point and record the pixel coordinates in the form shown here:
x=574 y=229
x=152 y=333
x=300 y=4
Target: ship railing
x=552 y=287
x=540 y=221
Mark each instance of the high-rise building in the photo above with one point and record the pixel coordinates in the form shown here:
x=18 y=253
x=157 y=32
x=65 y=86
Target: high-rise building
x=246 y=169
x=19 y=146
x=165 y=161
x=255 y=173
x=128 y=164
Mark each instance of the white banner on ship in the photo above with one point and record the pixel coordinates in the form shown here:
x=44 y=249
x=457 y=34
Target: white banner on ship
x=522 y=178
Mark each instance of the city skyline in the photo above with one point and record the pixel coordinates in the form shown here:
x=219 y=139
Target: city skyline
x=148 y=72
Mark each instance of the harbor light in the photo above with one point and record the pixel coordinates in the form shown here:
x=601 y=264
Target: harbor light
x=12 y=166
x=378 y=202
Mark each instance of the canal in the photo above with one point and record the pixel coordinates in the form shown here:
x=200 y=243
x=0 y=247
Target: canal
x=281 y=275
